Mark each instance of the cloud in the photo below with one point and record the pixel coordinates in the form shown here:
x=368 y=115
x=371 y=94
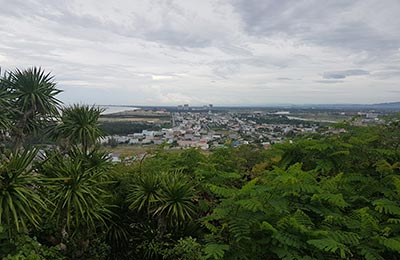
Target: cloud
x=76 y=83
x=357 y=25
x=173 y=98
x=387 y=73
x=222 y=52
x=162 y=77
x=329 y=81
x=344 y=73
x=3 y=58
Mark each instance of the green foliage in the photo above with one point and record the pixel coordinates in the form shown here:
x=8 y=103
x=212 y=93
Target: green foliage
x=166 y=195
x=79 y=125
x=330 y=197
x=34 y=91
x=28 y=98
x=5 y=104
x=23 y=247
x=20 y=203
x=77 y=188
x=176 y=199
x=185 y=249
x=307 y=206
x=129 y=127
x=330 y=245
x=215 y=251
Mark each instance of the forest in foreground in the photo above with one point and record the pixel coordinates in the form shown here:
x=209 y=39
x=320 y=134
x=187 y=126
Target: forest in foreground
x=321 y=196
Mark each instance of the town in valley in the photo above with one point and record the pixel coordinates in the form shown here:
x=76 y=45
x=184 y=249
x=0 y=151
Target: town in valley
x=132 y=132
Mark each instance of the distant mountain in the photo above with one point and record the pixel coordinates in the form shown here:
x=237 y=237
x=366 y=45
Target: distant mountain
x=390 y=105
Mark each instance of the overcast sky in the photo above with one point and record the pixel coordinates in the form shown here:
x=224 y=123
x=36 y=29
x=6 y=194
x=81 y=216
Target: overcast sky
x=225 y=52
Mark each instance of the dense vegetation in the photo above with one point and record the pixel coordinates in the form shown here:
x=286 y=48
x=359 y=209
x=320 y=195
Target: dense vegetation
x=280 y=119
x=129 y=127
x=320 y=197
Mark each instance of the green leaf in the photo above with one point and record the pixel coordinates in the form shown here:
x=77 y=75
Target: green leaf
x=386 y=206
x=215 y=251
x=330 y=245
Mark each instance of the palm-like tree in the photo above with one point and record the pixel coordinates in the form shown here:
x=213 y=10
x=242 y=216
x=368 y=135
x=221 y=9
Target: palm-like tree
x=168 y=196
x=20 y=201
x=33 y=101
x=5 y=120
x=176 y=199
x=5 y=105
x=79 y=125
x=35 y=92
x=77 y=191
x=144 y=193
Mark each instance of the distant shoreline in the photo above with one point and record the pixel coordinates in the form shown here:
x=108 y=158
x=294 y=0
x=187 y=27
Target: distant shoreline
x=116 y=109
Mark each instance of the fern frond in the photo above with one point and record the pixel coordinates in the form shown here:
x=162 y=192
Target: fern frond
x=392 y=244
x=383 y=167
x=337 y=220
x=331 y=245
x=250 y=204
x=370 y=254
x=345 y=237
x=222 y=191
x=355 y=177
x=366 y=223
x=210 y=227
x=240 y=229
x=396 y=183
x=249 y=186
x=393 y=221
x=333 y=199
x=288 y=239
x=215 y=251
x=302 y=218
x=386 y=206
x=267 y=226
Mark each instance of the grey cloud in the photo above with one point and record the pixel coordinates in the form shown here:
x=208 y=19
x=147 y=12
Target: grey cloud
x=254 y=51
x=223 y=69
x=291 y=17
x=343 y=74
x=385 y=74
x=17 y=8
x=355 y=36
x=339 y=23
x=232 y=49
x=397 y=68
x=226 y=68
x=173 y=37
x=59 y=18
x=329 y=81
x=86 y=26
x=331 y=75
